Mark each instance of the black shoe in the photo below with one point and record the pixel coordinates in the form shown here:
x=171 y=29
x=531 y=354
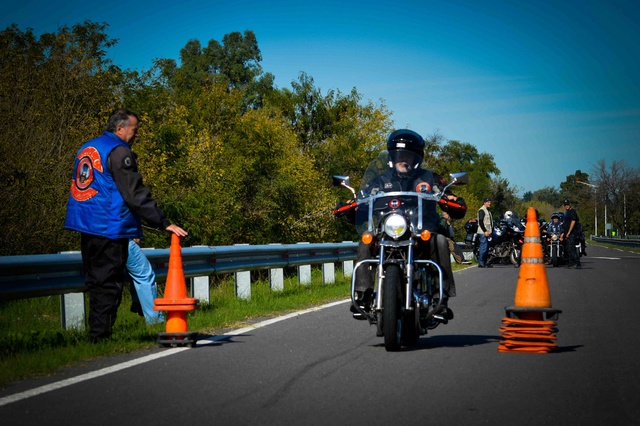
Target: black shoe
x=444 y=312
x=363 y=300
x=578 y=266
x=481 y=266
x=488 y=265
x=571 y=267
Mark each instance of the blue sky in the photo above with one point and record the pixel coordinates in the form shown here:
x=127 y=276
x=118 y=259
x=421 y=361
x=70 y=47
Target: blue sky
x=546 y=87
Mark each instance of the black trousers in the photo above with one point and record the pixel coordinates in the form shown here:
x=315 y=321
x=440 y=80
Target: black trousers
x=436 y=249
x=572 y=250
x=104 y=262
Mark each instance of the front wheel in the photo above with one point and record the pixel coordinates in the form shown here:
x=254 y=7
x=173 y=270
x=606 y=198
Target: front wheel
x=515 y=256
x=392 y=308
x=554 y=255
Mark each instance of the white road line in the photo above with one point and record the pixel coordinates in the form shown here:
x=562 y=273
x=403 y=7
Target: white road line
x=606 y=258
x=115 y=368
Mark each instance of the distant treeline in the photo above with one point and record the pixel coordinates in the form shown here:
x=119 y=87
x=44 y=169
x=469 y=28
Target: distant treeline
x=229 y=156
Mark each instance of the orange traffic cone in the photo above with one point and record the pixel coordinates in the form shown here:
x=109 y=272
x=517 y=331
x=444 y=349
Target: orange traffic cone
x=529 y=325
x=175 y=301
x=532 y=290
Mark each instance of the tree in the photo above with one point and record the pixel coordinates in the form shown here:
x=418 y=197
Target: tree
x=56 y=91
x=504 y=198
x=614 y=184
x=456 y=156
x=549 y=195
x=235 y=62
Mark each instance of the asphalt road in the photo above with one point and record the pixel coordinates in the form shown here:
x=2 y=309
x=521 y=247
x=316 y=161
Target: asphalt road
x=323 y=367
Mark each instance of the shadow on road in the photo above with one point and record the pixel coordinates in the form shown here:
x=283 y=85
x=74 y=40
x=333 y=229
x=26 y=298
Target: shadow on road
x=465 y=340
x=455 y=341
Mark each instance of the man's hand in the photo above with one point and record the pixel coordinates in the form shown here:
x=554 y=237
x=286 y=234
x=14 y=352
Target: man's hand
x=175 y=229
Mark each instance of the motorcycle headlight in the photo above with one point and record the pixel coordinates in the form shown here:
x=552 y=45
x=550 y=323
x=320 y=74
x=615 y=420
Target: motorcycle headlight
x=395 y=226
x=554 y=237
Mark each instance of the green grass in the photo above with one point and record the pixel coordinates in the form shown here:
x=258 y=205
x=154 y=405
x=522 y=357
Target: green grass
x=32 y=342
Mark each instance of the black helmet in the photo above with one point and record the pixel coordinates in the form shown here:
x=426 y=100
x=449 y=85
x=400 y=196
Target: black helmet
x=406 y=139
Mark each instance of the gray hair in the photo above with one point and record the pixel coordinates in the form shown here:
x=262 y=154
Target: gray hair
x=120 y=117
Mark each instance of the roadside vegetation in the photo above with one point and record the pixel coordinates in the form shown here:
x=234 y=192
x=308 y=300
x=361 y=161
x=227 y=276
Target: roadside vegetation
x=229 y=156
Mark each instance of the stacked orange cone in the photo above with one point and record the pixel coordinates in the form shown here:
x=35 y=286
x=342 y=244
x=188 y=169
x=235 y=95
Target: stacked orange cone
x=529 y=325
x=175 y=300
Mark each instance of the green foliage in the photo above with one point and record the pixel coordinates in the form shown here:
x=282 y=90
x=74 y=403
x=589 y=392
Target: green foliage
x=456 y=156
x=228 y=157
x=55 y=92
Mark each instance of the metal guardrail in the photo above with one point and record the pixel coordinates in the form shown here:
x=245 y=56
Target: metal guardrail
x=61 y=274
x=632 y=243
x=54 y=274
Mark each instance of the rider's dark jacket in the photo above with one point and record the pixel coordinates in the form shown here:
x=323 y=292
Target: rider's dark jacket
x=554 y=227
x=420 y=180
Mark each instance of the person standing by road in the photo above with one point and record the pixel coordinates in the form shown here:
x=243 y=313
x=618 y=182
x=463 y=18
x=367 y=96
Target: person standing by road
x=107 y=201
x=485 y=226
x=570 y=231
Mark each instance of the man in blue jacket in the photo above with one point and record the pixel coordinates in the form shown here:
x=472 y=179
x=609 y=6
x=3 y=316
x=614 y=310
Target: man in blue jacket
x=106 y=204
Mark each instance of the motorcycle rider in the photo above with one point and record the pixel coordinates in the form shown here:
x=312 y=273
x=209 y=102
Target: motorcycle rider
x=555 y=226
x=550 y=228
x=570 y=231
x=406 y=152
x=485 y=227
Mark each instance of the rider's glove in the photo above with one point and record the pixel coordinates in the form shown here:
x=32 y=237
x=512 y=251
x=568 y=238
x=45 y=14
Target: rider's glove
x=346 y=210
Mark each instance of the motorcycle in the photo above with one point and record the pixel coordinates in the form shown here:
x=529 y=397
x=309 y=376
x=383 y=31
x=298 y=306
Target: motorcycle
x=407 y=294
x=555 y=249
x=552 y=244
x=505 y=243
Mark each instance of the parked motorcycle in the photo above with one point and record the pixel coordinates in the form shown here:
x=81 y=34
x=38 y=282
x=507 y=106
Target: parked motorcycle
x=505 y=243
x=407 y=294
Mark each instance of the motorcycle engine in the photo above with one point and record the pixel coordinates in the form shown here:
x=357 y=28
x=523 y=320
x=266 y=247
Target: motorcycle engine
x=502 y=250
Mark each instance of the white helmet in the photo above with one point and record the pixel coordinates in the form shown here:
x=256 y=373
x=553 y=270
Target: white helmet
x=508 y=214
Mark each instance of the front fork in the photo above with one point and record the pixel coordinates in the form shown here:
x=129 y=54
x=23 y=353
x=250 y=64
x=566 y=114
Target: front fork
x=409 y=268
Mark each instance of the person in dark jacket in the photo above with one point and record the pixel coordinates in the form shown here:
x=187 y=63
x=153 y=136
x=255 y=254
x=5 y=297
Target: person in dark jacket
x=106 y=204
x=570 y=231
x=406 y=151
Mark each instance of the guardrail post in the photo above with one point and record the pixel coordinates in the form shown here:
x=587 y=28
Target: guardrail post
x=72 y=311
x=243 y=282
x=72 y=307
x=347 y=265
x=276 y=279
x=304 y=273
x=328 y=273
x=276 y=276
x=243 y=285
x=200 y=287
